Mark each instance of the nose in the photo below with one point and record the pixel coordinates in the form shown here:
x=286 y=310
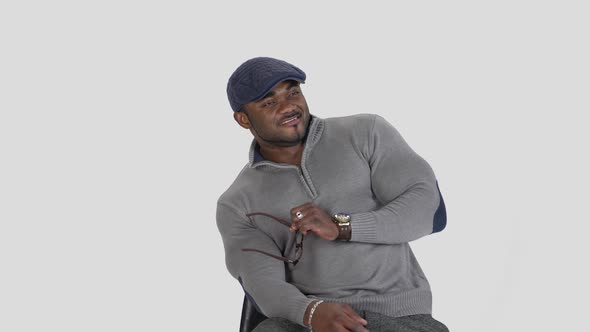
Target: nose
x=286 y=107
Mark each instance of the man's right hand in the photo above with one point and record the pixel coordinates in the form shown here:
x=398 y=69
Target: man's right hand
x=338 y=317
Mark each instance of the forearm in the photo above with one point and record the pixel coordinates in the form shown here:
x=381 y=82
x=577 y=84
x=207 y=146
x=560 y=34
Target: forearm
x=263 y=278
x=306 y=317
x=405 y=185
x=417 y=212
x=278 y=299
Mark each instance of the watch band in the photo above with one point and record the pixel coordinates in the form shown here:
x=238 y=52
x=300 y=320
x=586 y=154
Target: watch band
x=344 y=233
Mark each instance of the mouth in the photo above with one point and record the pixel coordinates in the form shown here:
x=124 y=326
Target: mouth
x=291 y=120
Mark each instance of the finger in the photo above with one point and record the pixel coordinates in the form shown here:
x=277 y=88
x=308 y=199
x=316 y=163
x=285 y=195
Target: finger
x=359 y=328
x=307 y=226
x=353 y=315
x=312 y=222
x=317 y=214
x=297 y=222
x=296 y=225
x=308 y=212
x=352 y=325
x=339 y=328
x=298 y=214
x=299 y=208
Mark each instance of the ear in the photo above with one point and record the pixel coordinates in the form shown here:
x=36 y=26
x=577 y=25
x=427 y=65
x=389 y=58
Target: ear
x=242 y=119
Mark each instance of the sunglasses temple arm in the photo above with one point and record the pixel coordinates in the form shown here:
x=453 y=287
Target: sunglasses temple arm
x=270 y=255
x=286 y=223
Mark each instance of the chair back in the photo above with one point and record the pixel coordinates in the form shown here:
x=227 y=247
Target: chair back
x=250 y=316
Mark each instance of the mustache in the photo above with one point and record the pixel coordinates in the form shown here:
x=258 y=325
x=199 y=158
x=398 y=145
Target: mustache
x=290 y=115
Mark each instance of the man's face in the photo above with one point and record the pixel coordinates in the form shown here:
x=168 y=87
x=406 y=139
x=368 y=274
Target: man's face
x=280 y=118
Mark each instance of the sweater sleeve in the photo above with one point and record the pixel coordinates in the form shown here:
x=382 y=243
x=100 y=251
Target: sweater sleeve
x=263 y=278
x=404 y=183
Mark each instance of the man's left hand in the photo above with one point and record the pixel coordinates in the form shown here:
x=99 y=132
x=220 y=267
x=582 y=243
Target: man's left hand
x=311 y=218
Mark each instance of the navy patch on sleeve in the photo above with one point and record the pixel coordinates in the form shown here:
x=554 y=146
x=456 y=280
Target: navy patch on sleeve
x=440 y=216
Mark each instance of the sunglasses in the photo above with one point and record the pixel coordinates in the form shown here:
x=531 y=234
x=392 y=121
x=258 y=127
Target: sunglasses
x=298 y=241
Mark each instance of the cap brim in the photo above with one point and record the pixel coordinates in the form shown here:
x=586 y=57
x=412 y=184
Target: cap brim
x=272 y=84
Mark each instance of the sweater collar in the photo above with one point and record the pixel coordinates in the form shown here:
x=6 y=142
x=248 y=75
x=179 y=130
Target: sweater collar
x=316 y=127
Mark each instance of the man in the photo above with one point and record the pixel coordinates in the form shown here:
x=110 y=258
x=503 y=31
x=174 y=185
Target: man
x=316 y=226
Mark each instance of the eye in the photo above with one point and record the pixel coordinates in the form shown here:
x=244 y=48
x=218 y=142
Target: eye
x=267 y=103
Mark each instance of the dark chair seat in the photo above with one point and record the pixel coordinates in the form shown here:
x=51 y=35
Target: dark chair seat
x=250 y=316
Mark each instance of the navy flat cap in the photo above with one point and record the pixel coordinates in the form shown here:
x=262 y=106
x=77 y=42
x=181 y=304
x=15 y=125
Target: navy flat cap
x=256 y=77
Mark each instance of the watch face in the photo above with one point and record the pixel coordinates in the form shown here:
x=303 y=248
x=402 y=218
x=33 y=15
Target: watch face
x=342 y=218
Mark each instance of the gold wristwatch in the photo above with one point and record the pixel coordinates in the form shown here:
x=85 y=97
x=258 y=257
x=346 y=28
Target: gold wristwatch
x=342 y=220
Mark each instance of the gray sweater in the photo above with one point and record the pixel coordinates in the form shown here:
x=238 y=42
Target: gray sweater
x=358 y=165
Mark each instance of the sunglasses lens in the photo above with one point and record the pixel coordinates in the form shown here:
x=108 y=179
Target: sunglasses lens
x=298 y=241
x=299 y=247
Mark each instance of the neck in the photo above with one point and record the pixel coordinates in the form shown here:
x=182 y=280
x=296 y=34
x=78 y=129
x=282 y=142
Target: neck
x=285 y=155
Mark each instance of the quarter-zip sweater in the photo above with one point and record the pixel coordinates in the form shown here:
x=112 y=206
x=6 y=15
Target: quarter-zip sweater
x=358 y=165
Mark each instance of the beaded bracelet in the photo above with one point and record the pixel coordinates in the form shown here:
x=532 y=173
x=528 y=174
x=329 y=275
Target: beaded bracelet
x=315 y=305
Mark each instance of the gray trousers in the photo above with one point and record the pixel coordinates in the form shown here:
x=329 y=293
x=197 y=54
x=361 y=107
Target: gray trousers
x=376 y=323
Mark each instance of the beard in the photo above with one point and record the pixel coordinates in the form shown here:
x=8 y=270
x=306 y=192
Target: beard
x=278 y=138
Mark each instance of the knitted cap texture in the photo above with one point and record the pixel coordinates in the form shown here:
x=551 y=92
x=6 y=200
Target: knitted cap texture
x=253 y=79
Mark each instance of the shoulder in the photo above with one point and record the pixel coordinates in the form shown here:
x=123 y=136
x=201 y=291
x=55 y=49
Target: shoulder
x=362 y=120
x=352 y=120
x=358 y=124
x=234 y=193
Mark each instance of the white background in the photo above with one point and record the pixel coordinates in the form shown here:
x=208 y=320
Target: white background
x=116 y=139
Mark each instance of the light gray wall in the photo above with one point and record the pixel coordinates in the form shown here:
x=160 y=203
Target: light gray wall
x=116 y=139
